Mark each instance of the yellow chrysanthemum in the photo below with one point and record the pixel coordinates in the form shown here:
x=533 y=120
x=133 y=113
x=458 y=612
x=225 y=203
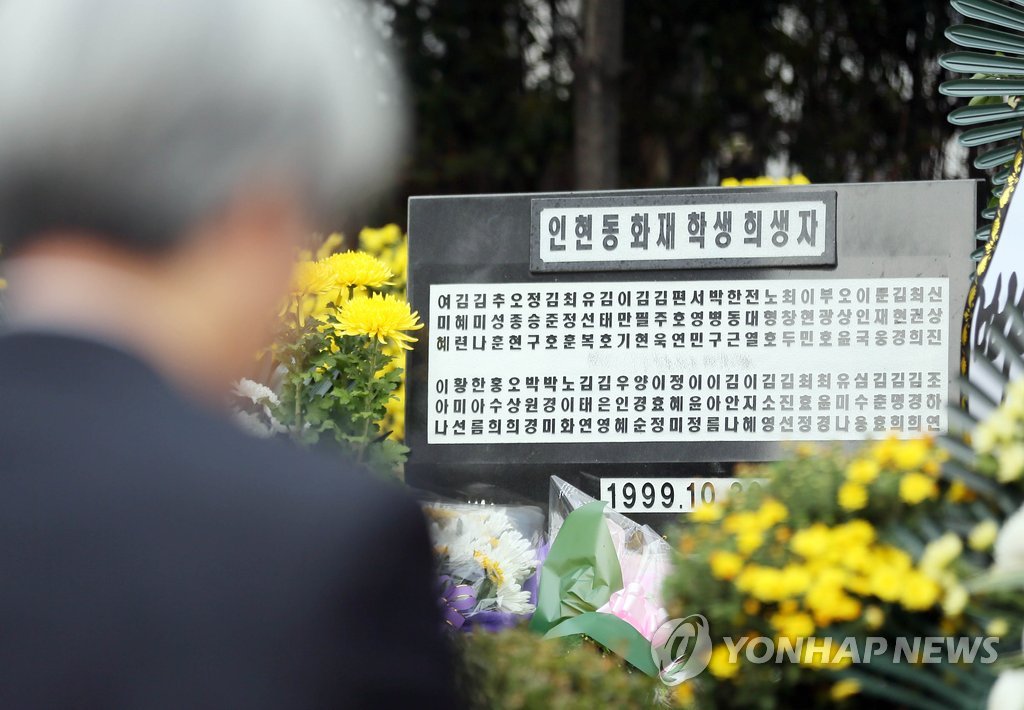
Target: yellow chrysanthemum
x=916 y=487
x=852 y=496
x=719 y=664
x=844 y=689
x=771 y=513
x=795 y=579
x=886 y=583
x=793 y=626
x=359 y=269
x=827 y=600
x=960 y=493
x=682 y=695
x=919 y=592
x=400 y=260
x=825 y=653
x=853 y=533
x=725 y=565
x=375 y=240
x=884 y=451
x=706 y=513
x=911 y=455
x=748 y=541
x=382 y=317
x=312 y=278
x=874 y=617
x=330 y=245
x=863 y=471
x=811 y=542
x=764 y=583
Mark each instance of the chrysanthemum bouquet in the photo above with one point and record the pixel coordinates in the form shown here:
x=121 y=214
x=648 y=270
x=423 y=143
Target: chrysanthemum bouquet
x=339 y=355
x=488 y=560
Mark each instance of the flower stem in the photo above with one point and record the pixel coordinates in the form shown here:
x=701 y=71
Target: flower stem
x=370 y=381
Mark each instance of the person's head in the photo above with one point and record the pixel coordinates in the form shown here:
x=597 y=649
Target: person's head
x=188 y=144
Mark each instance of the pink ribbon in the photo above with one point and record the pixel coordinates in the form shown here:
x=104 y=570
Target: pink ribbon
x=636 y=608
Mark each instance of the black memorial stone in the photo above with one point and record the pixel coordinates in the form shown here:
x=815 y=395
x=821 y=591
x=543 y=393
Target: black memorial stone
x=835 y=307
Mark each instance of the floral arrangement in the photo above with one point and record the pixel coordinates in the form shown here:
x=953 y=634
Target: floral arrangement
x=888 y=543
x=765 y=181
x=602 y=578
x=338 y=360
x=487 y=565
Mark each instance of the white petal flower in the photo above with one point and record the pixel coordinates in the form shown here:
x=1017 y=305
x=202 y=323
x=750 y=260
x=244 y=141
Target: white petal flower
x=1008 y=552
x=1003 y=425
x=1011 y=462
x=1008 y=691
x=516 y=555
x=255 y=392
x=983 y=438
x=514 y=601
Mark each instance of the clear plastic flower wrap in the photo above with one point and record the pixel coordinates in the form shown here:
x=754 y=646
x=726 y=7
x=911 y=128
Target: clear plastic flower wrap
x=488 y=561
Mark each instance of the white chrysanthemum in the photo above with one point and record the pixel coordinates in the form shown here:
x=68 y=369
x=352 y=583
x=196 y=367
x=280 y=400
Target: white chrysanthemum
x=983 y=438
x=463 y=559
x=1008 y=691
x=939 y=553
x=255 y=392
x=516 y=555
x=1011 y=462
x=513 y=600
x=1003 y=425
x=1008 y=551
x=485 y=524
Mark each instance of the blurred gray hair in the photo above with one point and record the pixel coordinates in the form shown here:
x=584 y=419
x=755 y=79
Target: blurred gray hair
x=136 y=119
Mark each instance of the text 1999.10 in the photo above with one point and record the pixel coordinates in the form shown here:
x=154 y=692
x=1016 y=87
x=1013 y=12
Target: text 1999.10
x=668 y=495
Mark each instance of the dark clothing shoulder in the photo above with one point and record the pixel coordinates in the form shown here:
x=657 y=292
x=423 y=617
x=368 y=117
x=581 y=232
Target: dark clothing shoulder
x=155 y=556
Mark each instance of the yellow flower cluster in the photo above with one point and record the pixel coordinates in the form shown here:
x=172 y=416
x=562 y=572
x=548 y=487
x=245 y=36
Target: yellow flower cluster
x=1001 y=435
x=765 y=181
x=390 y=246
x=818 y=575
x=914 y=463
x=333 y=289
x=321 y=285
x=831 y=571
